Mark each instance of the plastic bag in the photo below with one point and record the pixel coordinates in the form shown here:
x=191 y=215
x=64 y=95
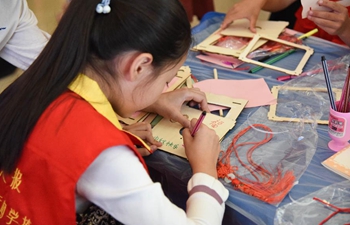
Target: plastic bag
x=314 y=79
x=271 y=48
x=232 y=42
x=297 y=103
x=307 y=211
x=267 y=157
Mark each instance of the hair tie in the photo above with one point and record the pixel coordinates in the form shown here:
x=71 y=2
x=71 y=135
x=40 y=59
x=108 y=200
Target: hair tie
x=103 y=7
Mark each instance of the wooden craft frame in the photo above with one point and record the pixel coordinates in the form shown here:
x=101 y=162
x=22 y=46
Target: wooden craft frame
x=298 y=70
x=167 y=130
x=208 y=46
x=273 y=108
x=240 y=28
x=182 y=75
x=234 y=105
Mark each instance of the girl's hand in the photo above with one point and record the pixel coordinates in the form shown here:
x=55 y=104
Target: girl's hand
x=202 y=149
x=144 y=131
x=169 y=104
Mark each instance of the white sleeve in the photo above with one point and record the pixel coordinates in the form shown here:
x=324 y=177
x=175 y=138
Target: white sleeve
x=27 y=40
x=117 y=182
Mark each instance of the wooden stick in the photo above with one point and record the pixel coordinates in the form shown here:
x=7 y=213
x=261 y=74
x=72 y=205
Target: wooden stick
x=221 y=113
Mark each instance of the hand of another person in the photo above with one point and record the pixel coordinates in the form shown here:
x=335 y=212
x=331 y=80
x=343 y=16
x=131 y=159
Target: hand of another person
x=248 y=9
x=335 y=22
x=144 y=131
x=202 y=150
x=169 y=104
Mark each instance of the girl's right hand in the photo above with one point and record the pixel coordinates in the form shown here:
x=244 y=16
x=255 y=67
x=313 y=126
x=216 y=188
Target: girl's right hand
x=202 y=149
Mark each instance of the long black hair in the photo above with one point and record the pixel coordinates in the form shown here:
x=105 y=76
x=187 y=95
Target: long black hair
x=85 y=38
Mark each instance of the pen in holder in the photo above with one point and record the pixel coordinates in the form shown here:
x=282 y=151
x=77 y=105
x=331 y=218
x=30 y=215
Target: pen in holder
x=339 y=118
x=338 y=129
x=339 y=115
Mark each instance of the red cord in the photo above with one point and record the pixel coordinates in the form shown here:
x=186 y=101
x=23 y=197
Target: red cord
x=338 y=210
x=268 y=186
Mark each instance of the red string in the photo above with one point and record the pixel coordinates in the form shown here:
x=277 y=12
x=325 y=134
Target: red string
x=338 y=210
x=268 y=186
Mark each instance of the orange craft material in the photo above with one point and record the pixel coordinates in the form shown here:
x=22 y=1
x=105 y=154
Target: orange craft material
x=268 y=186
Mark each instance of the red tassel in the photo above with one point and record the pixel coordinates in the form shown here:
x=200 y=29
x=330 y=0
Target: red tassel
x=268 y=187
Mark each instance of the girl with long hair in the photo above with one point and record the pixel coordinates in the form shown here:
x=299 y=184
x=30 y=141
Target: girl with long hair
x=61 y=145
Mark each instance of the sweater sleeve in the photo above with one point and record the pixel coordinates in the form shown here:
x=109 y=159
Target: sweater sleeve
x=117 y=182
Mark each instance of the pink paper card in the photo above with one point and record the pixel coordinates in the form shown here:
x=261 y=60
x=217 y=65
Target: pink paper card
x=227 y=62
x=255 y=91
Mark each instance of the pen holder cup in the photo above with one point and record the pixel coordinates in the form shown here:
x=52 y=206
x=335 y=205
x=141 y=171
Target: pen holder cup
x=338 y=129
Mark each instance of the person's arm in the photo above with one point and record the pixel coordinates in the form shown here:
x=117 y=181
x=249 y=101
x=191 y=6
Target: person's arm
x=345 y=35
x=250 y=9
x=335 y=22
x=26 y=41
x=117 y=182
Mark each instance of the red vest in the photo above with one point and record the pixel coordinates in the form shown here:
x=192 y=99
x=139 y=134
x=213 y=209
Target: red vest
x=305 y=25
x=69 y=135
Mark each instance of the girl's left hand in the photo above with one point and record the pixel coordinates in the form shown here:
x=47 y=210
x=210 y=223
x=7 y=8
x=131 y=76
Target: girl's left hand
x=144 y=131
x=169 y=104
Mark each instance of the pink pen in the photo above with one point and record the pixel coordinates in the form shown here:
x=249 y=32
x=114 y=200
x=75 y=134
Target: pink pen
x=334 y=67
x=199 y=122
x=310 y=72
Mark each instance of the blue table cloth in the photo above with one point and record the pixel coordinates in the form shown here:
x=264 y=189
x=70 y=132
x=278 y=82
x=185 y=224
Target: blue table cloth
x=173 y=172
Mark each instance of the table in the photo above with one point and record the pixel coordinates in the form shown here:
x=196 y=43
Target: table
x=174 y=172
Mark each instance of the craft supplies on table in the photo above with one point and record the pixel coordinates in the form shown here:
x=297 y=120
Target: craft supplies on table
x=236 y=41
x=338 y=129
x=328 y=83
x=339 y=114
x=241 y=208
x=329 y=204
x=169 y=132
x=264 y=159
x=284 y=54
